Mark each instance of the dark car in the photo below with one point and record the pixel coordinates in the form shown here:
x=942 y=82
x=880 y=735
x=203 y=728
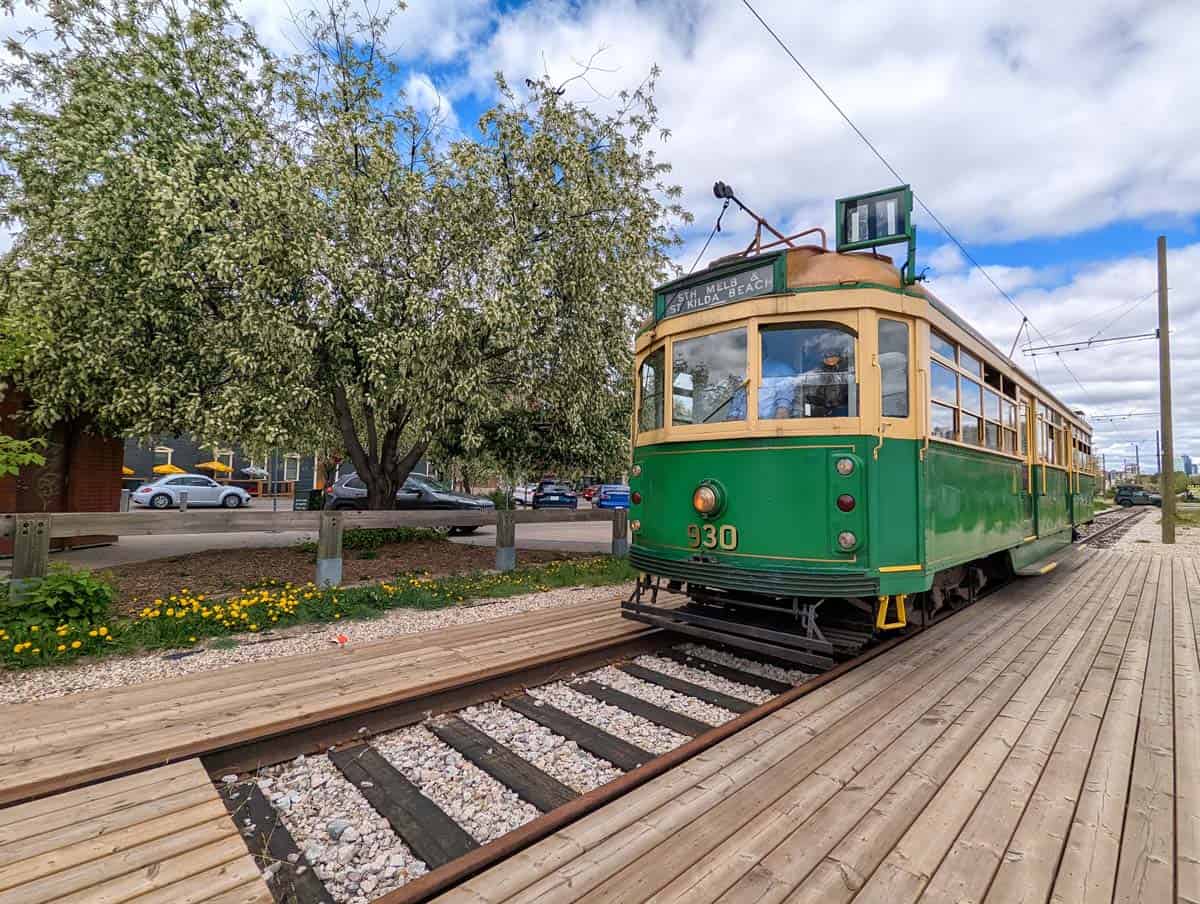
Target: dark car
x=418 y=494
x=554 y=495
x=612 y=496
x=1134 y=495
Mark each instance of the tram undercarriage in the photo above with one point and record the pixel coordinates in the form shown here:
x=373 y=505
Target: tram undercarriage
x=809 y=631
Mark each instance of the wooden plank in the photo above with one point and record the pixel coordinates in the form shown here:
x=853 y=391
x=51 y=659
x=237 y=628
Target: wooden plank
x=270 y=842
x=1146 y=868
x=667 y=718
x=596 y=741
x=142 y=523
x=550 y=866
x=251 y=893
x=740 y=676
x=529 y=782
x=690 y=688
x=1186 y=598
x=85 y=881
x=431 y=834
x=796 y=787
x=619 y=834
x=905 y=872
x=779 y=847
x=235 y=882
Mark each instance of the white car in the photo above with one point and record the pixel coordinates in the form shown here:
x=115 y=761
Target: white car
x=201 y=491
x=523 y=495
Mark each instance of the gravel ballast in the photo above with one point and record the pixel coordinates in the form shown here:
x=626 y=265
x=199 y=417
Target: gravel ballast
x=553 y=754
x=29 y=685
x=660 y=696
x=352 y=849
x=766 y=669
x=705 y=679
x=472 y=798
x=615 y=721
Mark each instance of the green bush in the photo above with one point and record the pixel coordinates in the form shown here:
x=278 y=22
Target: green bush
x=371 y=538
x=503 y=500
x=69 y=597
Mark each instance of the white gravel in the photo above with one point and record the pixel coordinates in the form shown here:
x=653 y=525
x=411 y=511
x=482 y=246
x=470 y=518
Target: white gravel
x=28 y=685
x=705 y=679
x=553 y=754
x=315 y=802
x=766 y=669
x=634 y=729
x=660 y=696
x=472 y=798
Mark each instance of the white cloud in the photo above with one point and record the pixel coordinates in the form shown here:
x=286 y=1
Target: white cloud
x=425 y=97
x=947 y=259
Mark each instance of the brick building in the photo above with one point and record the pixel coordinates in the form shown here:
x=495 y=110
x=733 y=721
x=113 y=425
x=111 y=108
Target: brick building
x=82 y=472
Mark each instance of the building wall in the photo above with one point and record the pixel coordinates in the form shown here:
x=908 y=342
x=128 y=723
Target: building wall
x=82 y=472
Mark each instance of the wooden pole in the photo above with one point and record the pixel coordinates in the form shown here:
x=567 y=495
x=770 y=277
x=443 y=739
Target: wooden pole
x=506 y=541
x=1166 y=474
x=31 y=555
x=329 y=550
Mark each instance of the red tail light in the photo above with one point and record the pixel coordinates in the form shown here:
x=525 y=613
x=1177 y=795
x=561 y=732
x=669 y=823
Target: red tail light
x=845 y=502
x=636 y=497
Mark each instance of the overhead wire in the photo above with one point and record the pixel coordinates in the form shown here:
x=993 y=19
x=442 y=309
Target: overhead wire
x=891 y=169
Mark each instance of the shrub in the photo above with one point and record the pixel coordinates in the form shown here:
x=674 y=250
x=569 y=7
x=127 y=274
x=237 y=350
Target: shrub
x=371 y=538
x=503 y=500
x=67 y=596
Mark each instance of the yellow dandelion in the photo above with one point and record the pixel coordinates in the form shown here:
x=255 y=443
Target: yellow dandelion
x=61 y=647
x=103 y=632
x=76 y=644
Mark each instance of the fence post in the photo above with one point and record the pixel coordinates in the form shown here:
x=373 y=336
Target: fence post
x=620 y=538
x=183 y=500
x=125 y=497
x=329 y=550
x=31 y=555
x=506 y=541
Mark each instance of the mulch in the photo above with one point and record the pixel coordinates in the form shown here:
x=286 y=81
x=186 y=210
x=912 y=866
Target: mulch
x=223 y=571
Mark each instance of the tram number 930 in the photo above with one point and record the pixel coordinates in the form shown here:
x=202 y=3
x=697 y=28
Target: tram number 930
x=709 y=536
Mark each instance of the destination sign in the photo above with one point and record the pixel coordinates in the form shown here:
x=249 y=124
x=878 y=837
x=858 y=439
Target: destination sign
x=735 y=287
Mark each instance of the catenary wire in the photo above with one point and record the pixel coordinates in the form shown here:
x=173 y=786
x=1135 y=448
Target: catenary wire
x=891 y=169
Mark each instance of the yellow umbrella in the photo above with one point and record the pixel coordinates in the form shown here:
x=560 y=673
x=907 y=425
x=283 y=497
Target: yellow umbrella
x=168 y=469
x=215 y=466
x=126 y=471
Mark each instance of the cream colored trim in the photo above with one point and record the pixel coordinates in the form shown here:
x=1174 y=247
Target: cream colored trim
x=849 y=446
x=751 y=555
x=953 y=442
x=891 y=569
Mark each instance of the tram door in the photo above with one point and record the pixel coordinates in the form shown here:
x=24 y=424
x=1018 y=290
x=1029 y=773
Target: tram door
x=1029 y=483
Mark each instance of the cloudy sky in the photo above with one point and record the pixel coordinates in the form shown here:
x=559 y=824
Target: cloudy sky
x=1057 y=140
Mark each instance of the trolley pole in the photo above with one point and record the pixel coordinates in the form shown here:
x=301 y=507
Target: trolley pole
x=1166 y=474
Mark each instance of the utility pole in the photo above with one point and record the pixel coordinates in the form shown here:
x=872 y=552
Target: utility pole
x=1158 y=451
x=1167 y=477
x=1137 y=459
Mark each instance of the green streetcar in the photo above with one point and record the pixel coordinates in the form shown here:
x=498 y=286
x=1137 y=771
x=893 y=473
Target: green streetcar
x=824 y=451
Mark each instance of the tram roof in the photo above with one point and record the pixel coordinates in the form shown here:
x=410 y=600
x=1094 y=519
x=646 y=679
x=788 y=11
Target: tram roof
x=735 y=273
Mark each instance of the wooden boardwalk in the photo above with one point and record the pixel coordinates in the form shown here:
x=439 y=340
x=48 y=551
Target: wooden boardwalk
x=69 y=741
x=1041 y=746
x=158 y=837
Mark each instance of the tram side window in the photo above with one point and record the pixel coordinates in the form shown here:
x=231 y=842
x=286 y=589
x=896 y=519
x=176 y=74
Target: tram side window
x=893 y=366
x=807 y=371
x=651 y=378
x=709 y=381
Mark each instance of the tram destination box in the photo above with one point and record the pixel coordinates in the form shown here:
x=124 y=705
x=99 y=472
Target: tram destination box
x=719 y=289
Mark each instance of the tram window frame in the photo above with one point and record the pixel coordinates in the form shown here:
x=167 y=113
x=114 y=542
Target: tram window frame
x=895 y=405
x=799 y=411
x=1050 y=437
x=660 y=394
x=736 y=404
x=978 y=385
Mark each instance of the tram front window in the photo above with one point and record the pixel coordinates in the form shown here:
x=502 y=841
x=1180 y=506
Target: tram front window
x=709 y=380
x=807 y=371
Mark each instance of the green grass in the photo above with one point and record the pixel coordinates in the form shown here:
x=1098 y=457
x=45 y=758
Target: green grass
x=185 y=619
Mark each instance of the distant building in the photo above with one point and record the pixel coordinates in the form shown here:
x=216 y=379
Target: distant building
x=1188 y=468
x=283 y=471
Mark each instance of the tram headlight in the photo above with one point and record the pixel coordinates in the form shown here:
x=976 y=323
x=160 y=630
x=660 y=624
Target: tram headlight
x=636 y=470
x=847 y=540
x=845 y=466
x=705 y=500
x=635 y=525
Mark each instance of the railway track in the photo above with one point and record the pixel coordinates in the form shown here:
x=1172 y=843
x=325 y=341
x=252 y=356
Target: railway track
x=397 y=814
x=1114 y=526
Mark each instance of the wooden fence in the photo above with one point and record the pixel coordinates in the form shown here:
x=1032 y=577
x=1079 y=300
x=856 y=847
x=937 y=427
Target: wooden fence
x=31 y=534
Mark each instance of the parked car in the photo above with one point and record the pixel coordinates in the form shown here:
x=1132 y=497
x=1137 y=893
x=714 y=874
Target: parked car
x=589 y=492
x=417 y=494
x=523 y=494
x=612 y=496
x=555 y=495
x=1127 y=496
x=201 y=492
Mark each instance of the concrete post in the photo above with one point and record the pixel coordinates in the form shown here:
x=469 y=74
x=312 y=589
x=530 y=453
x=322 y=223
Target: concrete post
x=620 y=532
x=329 y=550
x=183 y=500
x=125 y=497
x=31 y=555
x=506 y=542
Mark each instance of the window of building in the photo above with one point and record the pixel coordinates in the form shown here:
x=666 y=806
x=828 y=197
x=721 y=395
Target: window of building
x=163 y=455
x=650 y=380
x=291 y=467
x=807 y=371
x=893 y=366
x=708 y=385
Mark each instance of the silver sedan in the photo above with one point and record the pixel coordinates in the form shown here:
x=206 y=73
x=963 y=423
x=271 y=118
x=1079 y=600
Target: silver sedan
x=201 y=491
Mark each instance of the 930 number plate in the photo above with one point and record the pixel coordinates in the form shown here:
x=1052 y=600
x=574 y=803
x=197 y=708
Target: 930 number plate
x=710 y=536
